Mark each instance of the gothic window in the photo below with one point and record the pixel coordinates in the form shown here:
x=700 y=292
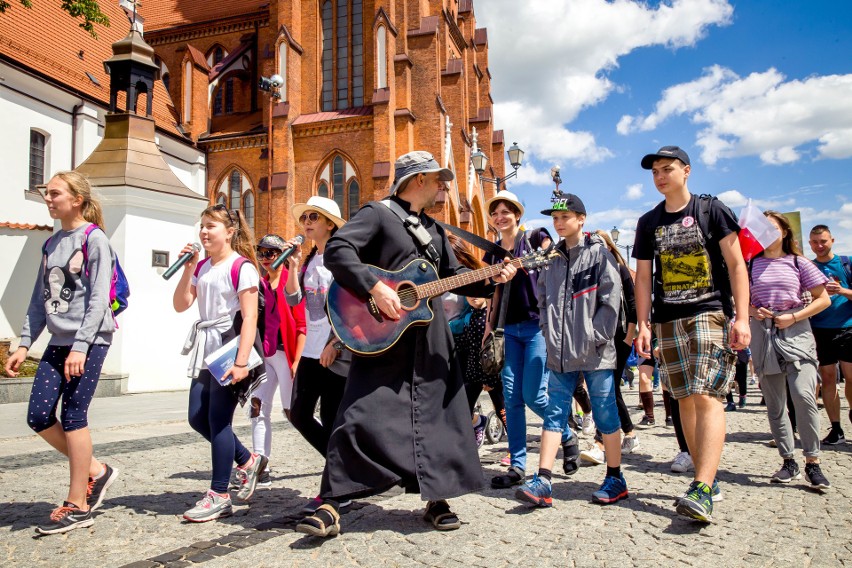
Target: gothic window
x=223 y=100
x=338 y=181
x=187 y=92
x=342 y=54
x=221 y=199
x=381 y=58
x=37 y=147
x=322 y=189
x=248 y=208
x=337 y=172
x=235 y=192
x=282 y=68
x=235 y=187
x=354 y=198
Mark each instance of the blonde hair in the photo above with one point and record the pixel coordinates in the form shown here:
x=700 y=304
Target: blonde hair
x=243 y=239
x=79 y=186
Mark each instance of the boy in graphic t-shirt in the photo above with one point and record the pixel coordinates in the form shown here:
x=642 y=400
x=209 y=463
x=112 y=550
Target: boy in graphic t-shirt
x=692 y=276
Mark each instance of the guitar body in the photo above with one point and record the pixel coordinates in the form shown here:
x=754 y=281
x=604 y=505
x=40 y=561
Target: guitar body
x=357 y=327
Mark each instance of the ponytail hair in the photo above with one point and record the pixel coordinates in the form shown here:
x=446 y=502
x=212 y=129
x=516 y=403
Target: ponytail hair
x=79 y=186
x=243 y=240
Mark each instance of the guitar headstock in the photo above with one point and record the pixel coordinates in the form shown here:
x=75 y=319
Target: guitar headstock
x=539 y=258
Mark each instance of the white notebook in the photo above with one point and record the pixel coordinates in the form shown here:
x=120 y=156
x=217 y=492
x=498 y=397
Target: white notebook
x=223 y=359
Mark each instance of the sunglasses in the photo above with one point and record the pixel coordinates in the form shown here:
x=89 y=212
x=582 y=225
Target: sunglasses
x=223 y=207
x=313 y=216
x=267 y=253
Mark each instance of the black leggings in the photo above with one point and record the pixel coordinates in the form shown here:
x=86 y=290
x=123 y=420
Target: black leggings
x=741 y=375
x=678 y=426
x=622 y=352
x=496 y=393
x=315 y=382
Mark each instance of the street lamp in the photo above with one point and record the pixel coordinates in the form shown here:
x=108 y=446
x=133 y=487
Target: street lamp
x=480 y=162
x=615 y=233
x=270 y=85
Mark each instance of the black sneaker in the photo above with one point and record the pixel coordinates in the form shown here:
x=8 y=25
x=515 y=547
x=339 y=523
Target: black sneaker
x=646 y=422
x=788 y=472
x=66 y=518
x=669 y=422
x=834 y=438
x=571 y=456
x=97 y=489
x=515 y=476
x=814 y=475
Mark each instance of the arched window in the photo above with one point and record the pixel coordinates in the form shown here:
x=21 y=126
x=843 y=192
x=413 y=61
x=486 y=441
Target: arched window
x=221 y=199
x=342 y=49
x=235 y=188
x=282 y=69
x=187 y=92
x=381 y=58
x=38 y=142
x=248 y=208
x=337 y=172
x=354 y=198
x=338 y=180
x=166 y=79
x=322 y=189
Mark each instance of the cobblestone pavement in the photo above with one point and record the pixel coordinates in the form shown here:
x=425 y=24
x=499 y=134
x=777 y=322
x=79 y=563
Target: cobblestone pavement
x=165 y=468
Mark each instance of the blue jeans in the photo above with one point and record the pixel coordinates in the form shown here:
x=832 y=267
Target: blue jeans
x=524 y=384
x=601 y=389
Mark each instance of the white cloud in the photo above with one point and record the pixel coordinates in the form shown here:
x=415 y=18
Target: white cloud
x=634 y=192
x=542 y=80
x=760 y=114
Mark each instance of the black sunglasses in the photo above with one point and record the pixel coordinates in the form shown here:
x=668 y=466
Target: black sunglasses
x=223 y=207
x=267 y=253
x=313 y=216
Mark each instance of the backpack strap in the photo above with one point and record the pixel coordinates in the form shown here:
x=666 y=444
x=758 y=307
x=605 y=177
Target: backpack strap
x=847 y=265
x=199 y=265
x=235 y=271
x=413 y=225
x=705 y=202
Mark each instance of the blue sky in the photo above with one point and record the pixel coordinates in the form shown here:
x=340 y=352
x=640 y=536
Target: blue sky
x=759 y=93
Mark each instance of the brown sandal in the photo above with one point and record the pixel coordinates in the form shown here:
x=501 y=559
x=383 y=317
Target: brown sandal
x=442 y=518
x=323 y=523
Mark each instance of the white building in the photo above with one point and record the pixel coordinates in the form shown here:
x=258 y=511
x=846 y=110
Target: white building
x=54 y=101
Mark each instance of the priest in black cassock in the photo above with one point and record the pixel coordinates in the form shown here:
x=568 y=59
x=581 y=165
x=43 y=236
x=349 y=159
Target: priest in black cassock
x=404 y=417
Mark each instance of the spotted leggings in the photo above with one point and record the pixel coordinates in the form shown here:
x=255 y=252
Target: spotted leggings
x=50 y=384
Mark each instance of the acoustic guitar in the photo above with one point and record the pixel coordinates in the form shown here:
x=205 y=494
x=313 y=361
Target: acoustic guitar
x=365 y=330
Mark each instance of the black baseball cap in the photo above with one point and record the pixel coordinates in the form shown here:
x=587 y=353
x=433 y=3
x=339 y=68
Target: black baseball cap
x=665 y=152
x=566 y=202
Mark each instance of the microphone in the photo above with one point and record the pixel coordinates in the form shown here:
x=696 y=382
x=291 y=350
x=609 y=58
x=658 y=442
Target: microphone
x=184 y=258
x=286 y=254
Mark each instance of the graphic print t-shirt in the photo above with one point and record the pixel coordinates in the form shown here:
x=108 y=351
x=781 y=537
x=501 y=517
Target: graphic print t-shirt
x=689 y=277
x=317 y=280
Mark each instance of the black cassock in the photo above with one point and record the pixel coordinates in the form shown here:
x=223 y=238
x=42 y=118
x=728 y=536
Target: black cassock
x=404 y=418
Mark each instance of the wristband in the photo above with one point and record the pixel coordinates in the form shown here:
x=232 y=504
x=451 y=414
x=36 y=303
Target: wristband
x=794 y=318
x=241 y=366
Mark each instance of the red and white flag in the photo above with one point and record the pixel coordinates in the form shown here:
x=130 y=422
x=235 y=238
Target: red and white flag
x=756 y=231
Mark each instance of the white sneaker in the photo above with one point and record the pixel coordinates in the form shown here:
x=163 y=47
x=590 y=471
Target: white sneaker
x=212 y=506
x=629 y=444
x=593 y=455
x=588 y=425
x=682 y=463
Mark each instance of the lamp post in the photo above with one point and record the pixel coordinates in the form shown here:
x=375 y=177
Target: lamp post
x=614 y=233
x=480 y=161
x=270 y=85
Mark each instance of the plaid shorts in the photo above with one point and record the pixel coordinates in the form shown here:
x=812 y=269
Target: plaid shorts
x=695 y=357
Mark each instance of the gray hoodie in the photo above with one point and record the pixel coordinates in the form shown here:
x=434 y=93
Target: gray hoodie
x=579 y=295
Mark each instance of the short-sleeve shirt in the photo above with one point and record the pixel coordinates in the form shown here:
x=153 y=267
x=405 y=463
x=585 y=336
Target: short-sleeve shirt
x=522 y=303
x=777 y=284
x=216 y=295
x=317 y=280
x=690 y=276
x=839 y=314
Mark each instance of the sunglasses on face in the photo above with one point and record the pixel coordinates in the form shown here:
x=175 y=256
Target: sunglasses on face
x=267 y=253
x=222 y=207
x=313 y=216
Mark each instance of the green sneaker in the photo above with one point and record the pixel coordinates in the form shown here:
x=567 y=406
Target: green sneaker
x=697 y=504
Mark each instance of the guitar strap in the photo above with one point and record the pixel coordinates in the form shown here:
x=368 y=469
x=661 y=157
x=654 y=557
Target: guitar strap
x=477 y=241
x=418 y=231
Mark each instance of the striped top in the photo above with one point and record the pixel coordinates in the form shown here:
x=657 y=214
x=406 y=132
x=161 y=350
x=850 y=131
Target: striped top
x=777 y=285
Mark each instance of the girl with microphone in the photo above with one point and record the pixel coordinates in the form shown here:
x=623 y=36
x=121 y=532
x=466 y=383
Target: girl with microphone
x=226 y=310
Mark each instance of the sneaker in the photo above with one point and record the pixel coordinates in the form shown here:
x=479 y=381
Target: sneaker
x=682 y=463
x=814 y=476
x=479 y=431
x=515 y=476
x=646 y=422
x=588 y=425
x=629 y=444
x=264 y=479
x=788 y=472
x=742 y=402
x=772 y=443
x=537 y=491
x=716 y=493
x=66 y=518
x=212 y=506
x=669 y=422
x=506 y=460
x=613 y=489
x=249 y=476
x=96 y=491
x=593 y=455
x=697 y=504
x=312 y=506
x=730 y=407
x=834 y=438
x=571 y=456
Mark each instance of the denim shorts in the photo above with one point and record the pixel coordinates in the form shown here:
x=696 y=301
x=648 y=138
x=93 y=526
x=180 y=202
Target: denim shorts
x=560 y=394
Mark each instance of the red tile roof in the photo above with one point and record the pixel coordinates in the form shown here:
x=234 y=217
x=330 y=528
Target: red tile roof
x=233 y=124
x=161 y=14
x=197 y=57
x=333 y=115
x=47 y=41
x=25 y=226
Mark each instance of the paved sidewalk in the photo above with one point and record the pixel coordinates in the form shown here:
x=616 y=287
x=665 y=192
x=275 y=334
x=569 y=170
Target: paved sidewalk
x=165 y=469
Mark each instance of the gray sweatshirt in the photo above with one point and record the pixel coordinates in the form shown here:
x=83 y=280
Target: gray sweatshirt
x=72 y=304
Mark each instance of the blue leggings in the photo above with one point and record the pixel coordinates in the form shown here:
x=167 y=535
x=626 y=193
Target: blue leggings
x=49 y=384
x=211 y=411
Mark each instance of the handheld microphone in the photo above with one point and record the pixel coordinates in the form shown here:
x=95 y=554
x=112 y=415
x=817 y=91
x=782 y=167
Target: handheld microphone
x=184 y=258
x=286 y=254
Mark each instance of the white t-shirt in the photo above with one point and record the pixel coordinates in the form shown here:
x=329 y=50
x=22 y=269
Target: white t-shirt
x=216 y=295
x=317 y=280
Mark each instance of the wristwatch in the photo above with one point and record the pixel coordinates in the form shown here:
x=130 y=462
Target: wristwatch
x=339 y=346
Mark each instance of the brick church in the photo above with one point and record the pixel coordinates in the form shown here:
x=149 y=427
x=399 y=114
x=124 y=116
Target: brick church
x=364 y=81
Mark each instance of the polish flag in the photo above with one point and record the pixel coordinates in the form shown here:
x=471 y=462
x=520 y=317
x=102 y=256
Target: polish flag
x=756 y=231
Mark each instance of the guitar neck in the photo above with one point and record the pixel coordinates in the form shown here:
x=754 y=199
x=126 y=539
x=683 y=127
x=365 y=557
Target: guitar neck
x=438 y=287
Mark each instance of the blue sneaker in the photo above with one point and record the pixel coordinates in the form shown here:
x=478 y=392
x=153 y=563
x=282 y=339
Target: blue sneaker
x=537 y=491
x=612 y=490
x=697 y=504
